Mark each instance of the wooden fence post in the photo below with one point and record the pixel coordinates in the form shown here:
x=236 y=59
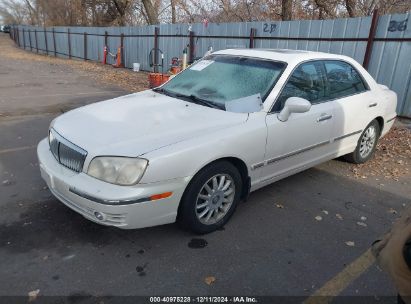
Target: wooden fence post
x=122 y=49
x=45 y=41
x=155 y=61
x=192 y=48
x=253 y=32
x=18 y=37
x=31 y=46
x=85 y=46
x=54 y=43
x=24 y=40
x=370 y=41
x=69 y=43
x=35 y=37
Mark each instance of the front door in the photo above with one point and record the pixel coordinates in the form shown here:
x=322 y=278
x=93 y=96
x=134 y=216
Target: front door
x=304 y=139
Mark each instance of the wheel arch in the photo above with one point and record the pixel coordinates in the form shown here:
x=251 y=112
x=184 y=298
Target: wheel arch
x=380 y=121
x=236 y=162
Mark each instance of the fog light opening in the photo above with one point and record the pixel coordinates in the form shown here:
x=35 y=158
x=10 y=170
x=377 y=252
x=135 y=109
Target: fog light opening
x=99 y=216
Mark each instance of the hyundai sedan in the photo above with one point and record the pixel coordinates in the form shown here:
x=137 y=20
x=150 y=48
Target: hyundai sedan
x=231 y=123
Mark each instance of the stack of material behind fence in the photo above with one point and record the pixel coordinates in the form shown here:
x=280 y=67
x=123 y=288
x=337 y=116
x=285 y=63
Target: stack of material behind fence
x=389 y=51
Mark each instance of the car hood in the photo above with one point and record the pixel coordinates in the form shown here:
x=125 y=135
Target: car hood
x=136 y=124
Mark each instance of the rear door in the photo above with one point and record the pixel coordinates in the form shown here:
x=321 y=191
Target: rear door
x=354 y=106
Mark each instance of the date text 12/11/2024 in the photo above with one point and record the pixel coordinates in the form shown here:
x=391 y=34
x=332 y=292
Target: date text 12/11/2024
x=204 y=299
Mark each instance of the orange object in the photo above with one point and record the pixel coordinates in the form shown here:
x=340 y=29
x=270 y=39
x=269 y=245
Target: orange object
x=118 y=63
x=105 y=55
x=175 y=70
x=160 y=196
x=157 y=79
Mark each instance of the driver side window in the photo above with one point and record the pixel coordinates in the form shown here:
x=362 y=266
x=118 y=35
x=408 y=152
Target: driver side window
x=307 y=82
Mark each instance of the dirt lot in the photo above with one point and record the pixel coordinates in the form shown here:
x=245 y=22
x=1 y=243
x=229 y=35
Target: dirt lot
x=305 y=235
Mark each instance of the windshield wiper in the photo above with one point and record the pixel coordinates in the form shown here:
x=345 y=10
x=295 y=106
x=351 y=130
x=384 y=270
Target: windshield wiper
x=201 y=101
x=161 y=90
x=192 y=98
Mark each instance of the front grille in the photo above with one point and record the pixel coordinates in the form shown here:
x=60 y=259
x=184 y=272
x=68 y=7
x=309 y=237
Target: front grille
x=65 y=152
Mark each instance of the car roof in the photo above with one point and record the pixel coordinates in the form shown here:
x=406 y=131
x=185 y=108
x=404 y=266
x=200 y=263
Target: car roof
x=285 y=55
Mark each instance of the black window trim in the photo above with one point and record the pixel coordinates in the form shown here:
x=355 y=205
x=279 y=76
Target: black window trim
x=320 y=61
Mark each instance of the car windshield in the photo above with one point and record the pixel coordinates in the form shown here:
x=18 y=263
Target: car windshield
x=220 y=78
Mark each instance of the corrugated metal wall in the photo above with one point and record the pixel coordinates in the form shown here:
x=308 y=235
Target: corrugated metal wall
x=390 y=61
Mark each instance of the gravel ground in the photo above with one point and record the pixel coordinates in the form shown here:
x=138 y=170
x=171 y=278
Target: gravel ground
x=105 y=74
x=392 y=158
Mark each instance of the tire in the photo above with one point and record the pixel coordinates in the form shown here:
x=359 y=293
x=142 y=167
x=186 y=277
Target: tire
x=366 y=144
x=217 y=187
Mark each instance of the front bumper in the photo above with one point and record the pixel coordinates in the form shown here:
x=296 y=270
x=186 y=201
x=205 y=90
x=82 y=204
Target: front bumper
x=125 y=207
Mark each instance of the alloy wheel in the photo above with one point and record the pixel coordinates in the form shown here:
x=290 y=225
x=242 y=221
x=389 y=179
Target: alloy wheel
x=215 y=199
x=367 y=141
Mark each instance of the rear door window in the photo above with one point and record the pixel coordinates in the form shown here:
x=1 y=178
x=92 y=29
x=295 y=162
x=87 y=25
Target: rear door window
x=342 y=79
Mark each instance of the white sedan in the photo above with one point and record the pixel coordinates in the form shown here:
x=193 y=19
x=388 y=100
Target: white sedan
x=191 y=149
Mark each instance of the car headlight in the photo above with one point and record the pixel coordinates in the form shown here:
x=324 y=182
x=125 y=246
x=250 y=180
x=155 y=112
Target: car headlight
x=118 y=170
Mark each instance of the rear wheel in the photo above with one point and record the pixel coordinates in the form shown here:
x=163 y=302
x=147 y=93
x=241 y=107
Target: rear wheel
x=366 y=144
x=211 y=198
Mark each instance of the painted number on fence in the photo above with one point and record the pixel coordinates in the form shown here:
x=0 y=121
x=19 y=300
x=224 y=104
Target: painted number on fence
x=269 y=27
x=398 y=25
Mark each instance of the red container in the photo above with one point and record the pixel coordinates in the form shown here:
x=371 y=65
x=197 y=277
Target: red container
x=175 y=70
x=157 y=79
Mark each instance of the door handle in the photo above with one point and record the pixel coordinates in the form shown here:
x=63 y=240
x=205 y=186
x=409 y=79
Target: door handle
x=372 y=105
x=324 y=117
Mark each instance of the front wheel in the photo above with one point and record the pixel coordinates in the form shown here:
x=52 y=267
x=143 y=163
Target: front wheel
x=366 y=144
x=211 y=198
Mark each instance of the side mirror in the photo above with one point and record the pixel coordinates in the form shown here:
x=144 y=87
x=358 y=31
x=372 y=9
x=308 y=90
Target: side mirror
x=294 y=105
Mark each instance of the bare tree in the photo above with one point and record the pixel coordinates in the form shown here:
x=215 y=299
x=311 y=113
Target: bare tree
x=173 y=11
x=286 y=9
x=121 y=7
x=13 y=12
x=132 y=12
x=151 y=12
x=326 y=9
x=350 y=5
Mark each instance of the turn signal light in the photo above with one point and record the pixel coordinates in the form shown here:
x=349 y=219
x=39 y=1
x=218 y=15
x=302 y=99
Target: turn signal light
x=160 y=196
